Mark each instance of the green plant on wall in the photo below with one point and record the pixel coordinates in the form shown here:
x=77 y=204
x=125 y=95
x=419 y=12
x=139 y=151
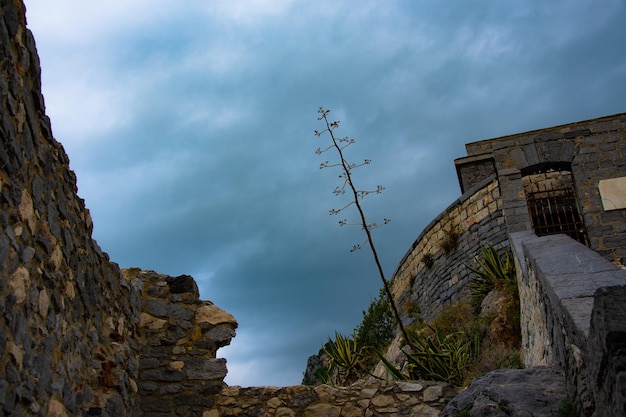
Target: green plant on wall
x=456 y=347
x=491 y=271
x=450 y=240
x=347 y=357
x=439 y=357
x=428 y=260
x=444 y=357
x=376 y=329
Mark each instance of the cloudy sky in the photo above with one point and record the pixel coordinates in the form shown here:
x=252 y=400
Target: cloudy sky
x=190 y=127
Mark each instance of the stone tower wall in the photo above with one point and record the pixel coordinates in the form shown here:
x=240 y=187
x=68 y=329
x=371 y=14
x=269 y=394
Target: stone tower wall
x=67 y=312
x=433 y=274
x=78 y=337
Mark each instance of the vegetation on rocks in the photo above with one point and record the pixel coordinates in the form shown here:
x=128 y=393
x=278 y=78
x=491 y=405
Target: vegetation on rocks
x=492 y=272
x=465 y=341
x=335 y=360
x=469 y=339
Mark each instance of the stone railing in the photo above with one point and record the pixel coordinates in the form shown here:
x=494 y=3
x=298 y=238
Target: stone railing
x=573 y=317
x=365 y=398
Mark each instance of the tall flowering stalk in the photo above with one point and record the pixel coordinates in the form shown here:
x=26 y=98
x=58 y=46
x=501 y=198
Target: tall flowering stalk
x=339 y=144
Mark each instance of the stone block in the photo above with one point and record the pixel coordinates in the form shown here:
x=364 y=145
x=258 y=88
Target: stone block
x=220 y=334
x=322 y=410
x=210 y=313
x=206 y=369
x=284 y=412
x=182 y=284
x=433 y=393
x=382 y=400
x=156 y=403
x=162 y=375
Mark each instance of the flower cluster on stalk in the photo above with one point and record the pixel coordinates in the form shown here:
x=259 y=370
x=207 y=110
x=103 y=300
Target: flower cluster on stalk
x=340 y=144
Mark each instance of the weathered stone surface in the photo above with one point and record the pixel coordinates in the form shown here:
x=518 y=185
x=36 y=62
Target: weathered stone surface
x=433 y=393
x=206 y=369
x=56 y=409
x=221 y=334
x=179 y=370
x=607 y=338
x=385 y=399
x=285 y=412
x=424 y=410
x=182 y=284
x=532 y=392
x=214 y=315
x=322 y=410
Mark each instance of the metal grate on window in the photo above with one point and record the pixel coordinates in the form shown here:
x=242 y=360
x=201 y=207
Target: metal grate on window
x=555 y=211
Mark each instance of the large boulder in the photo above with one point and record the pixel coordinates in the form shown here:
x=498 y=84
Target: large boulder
x=531 y=392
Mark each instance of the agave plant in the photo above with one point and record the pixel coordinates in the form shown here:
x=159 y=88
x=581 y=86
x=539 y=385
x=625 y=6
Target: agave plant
x=346 y=357
x=443 y=358
x=492 y=271
x=437 y=357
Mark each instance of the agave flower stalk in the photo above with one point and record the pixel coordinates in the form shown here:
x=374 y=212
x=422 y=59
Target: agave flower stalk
x=340 y=144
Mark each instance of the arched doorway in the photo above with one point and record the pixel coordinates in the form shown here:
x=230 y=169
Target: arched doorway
x=552 y=201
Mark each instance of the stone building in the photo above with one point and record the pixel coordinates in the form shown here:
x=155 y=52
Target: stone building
x=555 y=197
x=567 y=179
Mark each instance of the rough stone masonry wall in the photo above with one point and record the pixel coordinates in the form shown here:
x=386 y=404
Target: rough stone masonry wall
x=601 y=154
x=363 y=399
x=595 y=150
x=573 y=318
x=179 y=373
x=476 y=217
x=67 y=313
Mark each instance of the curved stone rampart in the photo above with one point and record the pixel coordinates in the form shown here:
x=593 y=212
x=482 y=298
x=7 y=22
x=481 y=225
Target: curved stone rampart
x=427 y=285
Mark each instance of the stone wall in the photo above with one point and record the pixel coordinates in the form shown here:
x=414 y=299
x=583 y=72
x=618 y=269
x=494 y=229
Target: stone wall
x=179 y=373
x=363 y=399
x=67 y=313
x=593 y=150
x=572 y=319
x=431 y=275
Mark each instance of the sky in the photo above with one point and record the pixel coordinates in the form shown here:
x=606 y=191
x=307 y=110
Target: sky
x=190 y=128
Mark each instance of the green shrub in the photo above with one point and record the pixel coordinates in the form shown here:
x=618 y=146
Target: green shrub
x=376 y=329
x=346 y=363
x=439 y=357
x=566 y=409
x=428 y=260
x=455 y=348
x=492 y=271
x=443 y=357
x=449 y=242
